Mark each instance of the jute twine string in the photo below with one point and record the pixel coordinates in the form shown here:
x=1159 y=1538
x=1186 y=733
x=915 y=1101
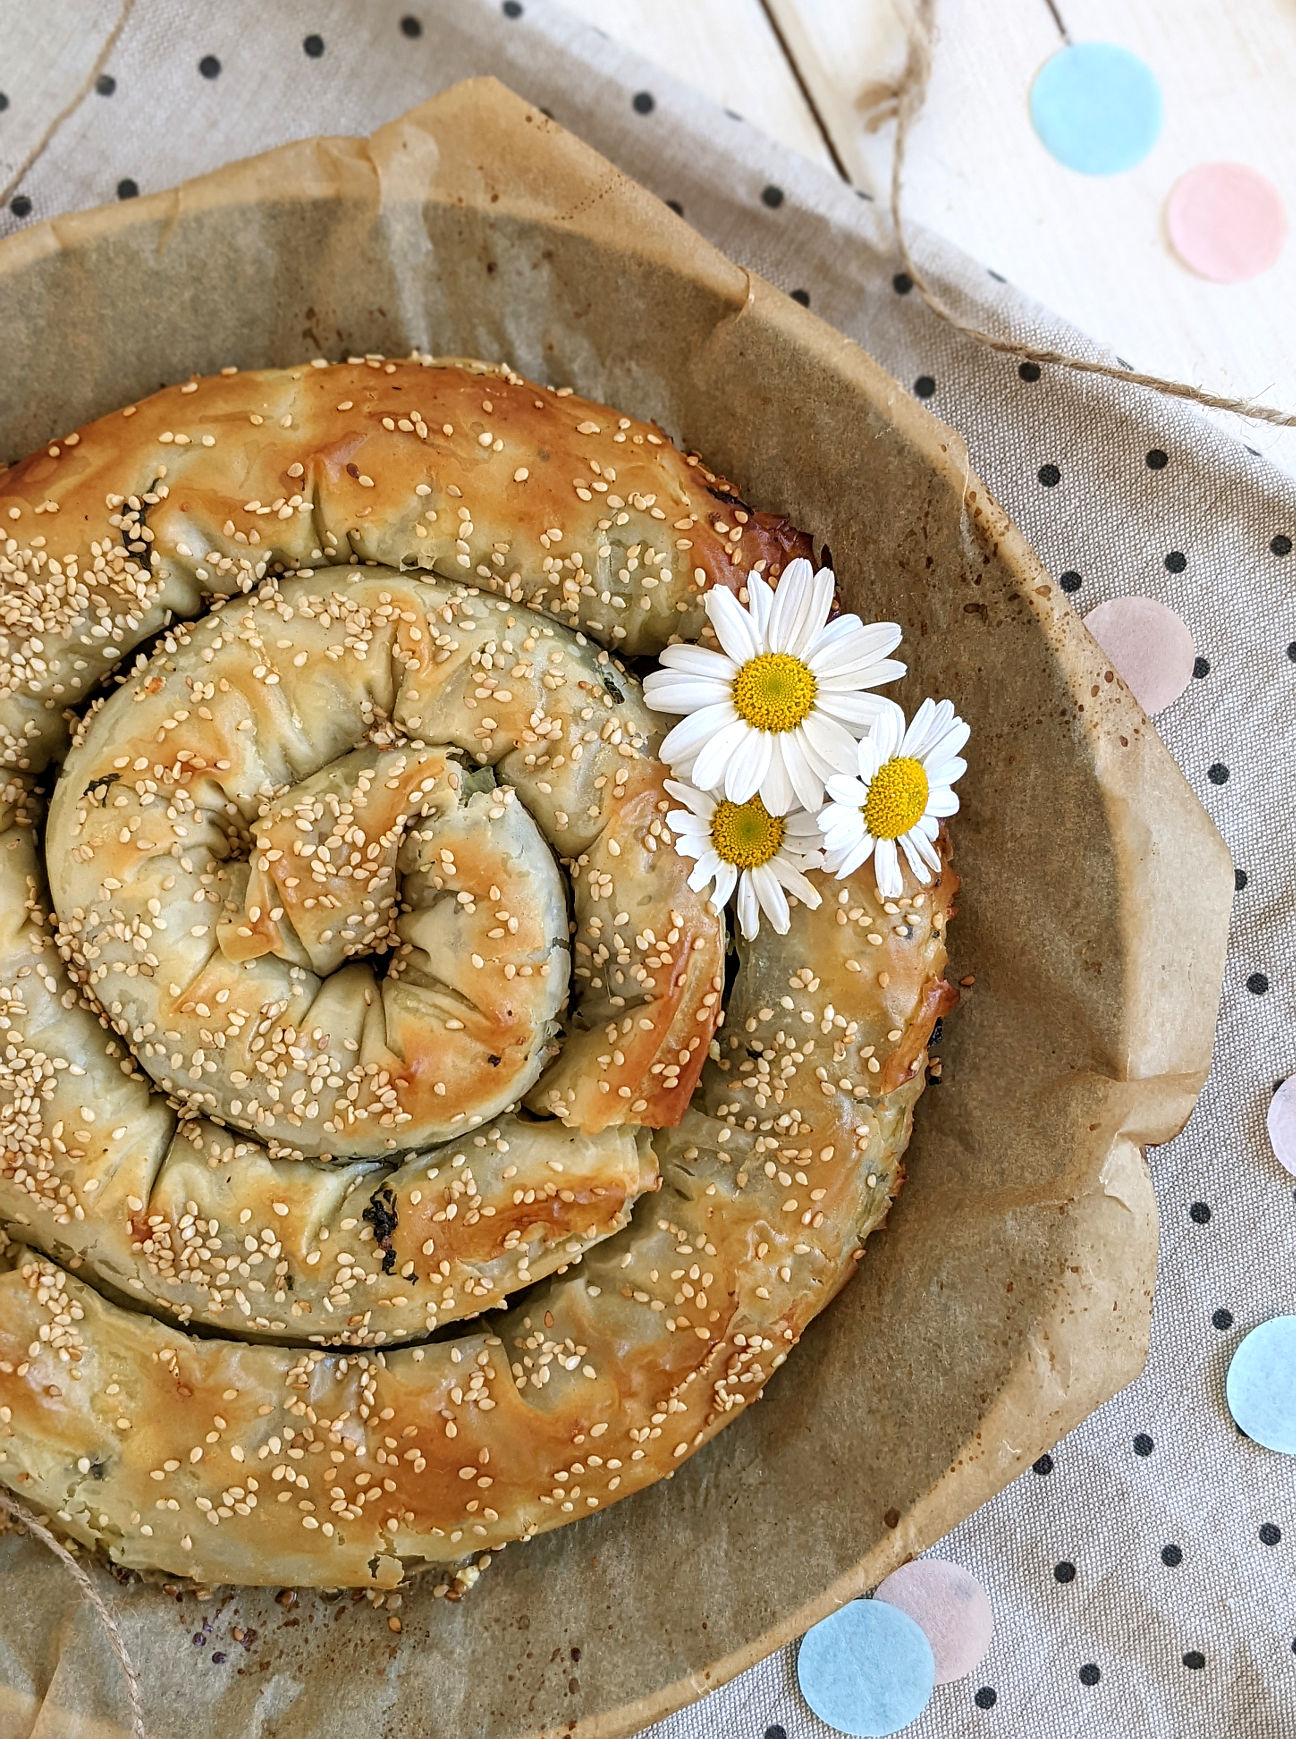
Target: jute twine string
x=73 y=103
x=88 y=1592
x=907 y=104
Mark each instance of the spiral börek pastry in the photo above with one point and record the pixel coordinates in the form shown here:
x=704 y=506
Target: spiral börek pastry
x=352 y=987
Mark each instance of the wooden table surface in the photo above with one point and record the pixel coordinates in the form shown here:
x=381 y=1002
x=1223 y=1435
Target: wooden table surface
x=810 y=71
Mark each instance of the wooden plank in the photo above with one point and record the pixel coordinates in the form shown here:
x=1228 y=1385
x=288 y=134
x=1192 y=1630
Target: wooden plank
x=1091 y=247
x=728 y=50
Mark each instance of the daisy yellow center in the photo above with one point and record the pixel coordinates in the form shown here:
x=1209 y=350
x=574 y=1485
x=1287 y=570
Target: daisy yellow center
x=897 y=797
x=774 y=691
x=746 y=834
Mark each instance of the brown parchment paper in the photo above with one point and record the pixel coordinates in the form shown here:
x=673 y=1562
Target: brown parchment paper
x=1010 y=1292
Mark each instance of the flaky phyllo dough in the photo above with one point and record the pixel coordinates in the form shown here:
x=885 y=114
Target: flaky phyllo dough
x=357 y=1012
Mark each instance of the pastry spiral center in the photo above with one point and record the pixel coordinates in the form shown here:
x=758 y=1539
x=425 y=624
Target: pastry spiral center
x=746 y=834
x=774 y=692
x=897 y=797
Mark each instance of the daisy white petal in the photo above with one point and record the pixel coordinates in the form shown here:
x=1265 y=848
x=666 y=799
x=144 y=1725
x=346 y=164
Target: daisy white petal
x=760 y=601
x=683 y=742
x=695 y=661
x=860 y=647
x=795 y=883
x=884 y=739
x=776 y=788
x=886 y=862
x=700 y=802
x=802 y=831
x=918 y=728
x=847 y=861
x=771 y=898
x=751 y=762
x=668 y=691
x=842 y=788
x=858 y=712
x=830 y=746
x=945 y=772
x=714 y=760
x=908 y=843
x=726 y=879
x=701 y=873
x=800 y=611
x=924 y=847
x=748 y=909
x=734 y=628
x=806 y=781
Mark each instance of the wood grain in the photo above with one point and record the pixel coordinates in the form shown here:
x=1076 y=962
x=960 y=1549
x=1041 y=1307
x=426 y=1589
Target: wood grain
x=1092 y=248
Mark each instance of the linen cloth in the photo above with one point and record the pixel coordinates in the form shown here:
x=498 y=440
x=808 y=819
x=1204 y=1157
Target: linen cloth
x=1142 y=1573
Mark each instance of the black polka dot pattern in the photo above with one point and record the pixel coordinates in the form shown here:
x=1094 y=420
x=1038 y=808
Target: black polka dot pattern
x=1143 y=1445
x=902 y=283
x=1171 y=1557
x=924 y=387
x=1199 y=1213
x=126 y=188
x=1217 y=773
x=987 y=1696
x=1257 y=983
x=512 y=8
x=1281 y=545
x=1029 y=370
x=1049 y=476
x=772 y=196
x=1194 y=1660
x=643 y=103
x=1240 y=880
x=1201 y=668
x=209 y=66
x=411 y=26
x=1064 y=1572
x=1176 y=561
x=313 y=46
x=105 y=84
x=1222 y=1319
x=1270 y=1533
x=1090 y=1673
x=1157 y=460
x=20 y=205
x=1044 y=1465
x=801 y=296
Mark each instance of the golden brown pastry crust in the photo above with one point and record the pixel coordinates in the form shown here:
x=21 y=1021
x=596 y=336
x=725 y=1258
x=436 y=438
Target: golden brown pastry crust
x=702 y=1257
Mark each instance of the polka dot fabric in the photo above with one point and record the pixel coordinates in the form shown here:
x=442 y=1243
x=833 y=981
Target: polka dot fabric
x=1140 y=1571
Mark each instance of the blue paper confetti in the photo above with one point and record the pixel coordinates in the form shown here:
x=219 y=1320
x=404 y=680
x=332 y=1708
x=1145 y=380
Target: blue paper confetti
x=867 y=1669
x=1261 y=1385
x=1096 y=107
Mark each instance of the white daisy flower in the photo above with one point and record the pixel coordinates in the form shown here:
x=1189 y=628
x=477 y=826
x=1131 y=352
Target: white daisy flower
x=743 y=845
x=895 y=805
x=781 y=706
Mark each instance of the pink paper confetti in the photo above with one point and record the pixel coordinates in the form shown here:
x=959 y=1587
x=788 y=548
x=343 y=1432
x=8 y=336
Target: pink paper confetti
x=1148 y=644
x=1282 y=1124
x=949 y=1606
x=1226 y=221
